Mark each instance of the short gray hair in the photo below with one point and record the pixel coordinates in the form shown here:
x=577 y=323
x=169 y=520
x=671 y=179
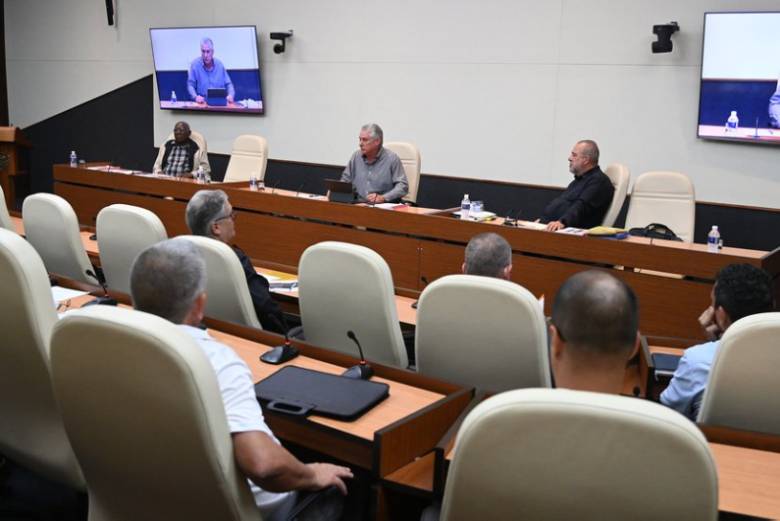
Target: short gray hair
x=208 y=41
x=167 y=277
x=591 y=150
x=375 y=131
x=204 y=208
x=487 y=254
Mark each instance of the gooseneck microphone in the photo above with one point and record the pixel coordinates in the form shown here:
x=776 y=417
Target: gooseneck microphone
x=105 y=299
x=283 y=353
x=362 y=371
x=300 y=188
x=276 y=183
x=424 y=280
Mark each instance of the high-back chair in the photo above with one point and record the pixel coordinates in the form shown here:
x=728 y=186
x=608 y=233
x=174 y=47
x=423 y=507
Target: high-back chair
x=346 y=287
x=743 y=385
x=550 y=454
x=620 y=177
x=51 y=226
x=32 y=432
x=482 y=332
x=5 y=217
x=150 y=431
x=666 y=198
x=226 y=286
x=410 y=158
x=124 y=231
x=249 y=156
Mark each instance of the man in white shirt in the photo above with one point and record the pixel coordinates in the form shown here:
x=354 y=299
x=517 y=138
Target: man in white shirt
x=168 y=279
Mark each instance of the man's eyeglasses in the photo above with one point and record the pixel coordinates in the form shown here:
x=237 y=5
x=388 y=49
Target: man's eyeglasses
x=231 y=215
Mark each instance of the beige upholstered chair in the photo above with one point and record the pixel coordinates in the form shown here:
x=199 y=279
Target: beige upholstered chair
x=51 y=226
x=547 y=454
x=620 y=177
x=226 y=287
x=143 y=410
x=347 y=287
x=663 y=197
x=32 y=432
x=124 y=231
x=249 y=156
x=5 y=217
x=482 y=332
x=743 y=386
x=410 y=158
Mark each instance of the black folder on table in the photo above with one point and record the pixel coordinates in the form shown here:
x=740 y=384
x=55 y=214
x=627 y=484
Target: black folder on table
x=299 y=391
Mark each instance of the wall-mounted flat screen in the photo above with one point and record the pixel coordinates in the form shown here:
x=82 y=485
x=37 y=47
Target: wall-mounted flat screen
x=739 y=98
x=212 y=69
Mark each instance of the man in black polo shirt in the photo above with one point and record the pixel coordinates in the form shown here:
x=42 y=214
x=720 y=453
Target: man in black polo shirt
x=587 y=198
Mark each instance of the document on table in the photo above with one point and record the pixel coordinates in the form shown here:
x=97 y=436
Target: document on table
x=58 y=293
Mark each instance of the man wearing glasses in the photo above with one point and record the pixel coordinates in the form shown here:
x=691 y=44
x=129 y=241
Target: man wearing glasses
x=210 y=214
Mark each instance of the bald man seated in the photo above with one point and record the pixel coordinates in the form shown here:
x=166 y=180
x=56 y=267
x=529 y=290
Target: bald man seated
x=168 y=279
x=594 y=332
x=489 y=255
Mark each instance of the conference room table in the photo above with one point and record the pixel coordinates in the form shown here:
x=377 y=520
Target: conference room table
x=274 y=227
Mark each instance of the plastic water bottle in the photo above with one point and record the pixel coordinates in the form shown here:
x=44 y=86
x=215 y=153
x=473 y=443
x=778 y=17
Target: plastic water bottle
x=253 y=182
x=74 y=159
x=713 y=240
x=465 y=207
x=200 y=176
x=173 y=96
x=732 y=124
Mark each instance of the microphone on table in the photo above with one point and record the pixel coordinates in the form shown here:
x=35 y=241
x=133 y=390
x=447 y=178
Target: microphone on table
x=276 y=183
x=512 y=221
x=424 y=280
x=105 y=299
x=362 y=371
x=300 y=188
x=283 y=353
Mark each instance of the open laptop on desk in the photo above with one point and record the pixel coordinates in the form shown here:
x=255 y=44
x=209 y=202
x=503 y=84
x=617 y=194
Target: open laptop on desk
x=216 y=97
x=340 y=191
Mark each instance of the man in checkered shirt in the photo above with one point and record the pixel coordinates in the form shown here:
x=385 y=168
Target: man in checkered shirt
x=181 y=156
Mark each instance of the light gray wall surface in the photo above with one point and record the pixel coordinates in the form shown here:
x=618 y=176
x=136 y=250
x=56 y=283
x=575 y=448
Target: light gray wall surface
x=496 y=89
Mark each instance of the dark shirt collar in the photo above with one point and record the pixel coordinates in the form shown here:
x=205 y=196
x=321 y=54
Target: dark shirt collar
x=586 y=174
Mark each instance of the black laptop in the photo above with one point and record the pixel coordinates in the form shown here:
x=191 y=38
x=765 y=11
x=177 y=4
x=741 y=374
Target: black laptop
x=340 y=191
x=217 y=97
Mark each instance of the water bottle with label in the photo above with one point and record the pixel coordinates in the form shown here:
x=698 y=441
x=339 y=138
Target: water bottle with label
x=465 y=207
x=253 y=182
x=713 y=240
x=173 y=96
x=200 y=177
x=74 y=159
x=732 y=124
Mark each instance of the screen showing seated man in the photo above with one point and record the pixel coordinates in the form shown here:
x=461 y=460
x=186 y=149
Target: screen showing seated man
x=740 y=78
x=207 y=68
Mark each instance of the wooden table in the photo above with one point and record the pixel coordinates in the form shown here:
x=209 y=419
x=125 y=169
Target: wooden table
x=275 y=229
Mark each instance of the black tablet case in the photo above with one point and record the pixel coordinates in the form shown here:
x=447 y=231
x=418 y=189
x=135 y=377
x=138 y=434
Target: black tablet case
x=299 y=391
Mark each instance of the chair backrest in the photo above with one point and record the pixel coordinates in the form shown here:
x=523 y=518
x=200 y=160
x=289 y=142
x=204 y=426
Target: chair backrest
x=227 y=291
x=482 y=332
x=32 y=432
x=618 y=174
x=124 y=231
x=5 y=217
x=410 y=158
x=743 y=385
x=150 y=431
x=663 y=197
x=549 y=454
x=51 y=226
x=347 y=287
x=249 y=156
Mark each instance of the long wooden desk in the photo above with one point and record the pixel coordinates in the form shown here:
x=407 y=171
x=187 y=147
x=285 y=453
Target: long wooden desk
x=275 y=228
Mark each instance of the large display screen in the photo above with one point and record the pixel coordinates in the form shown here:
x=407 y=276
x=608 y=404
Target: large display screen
x=739 y=99
x=207 y=68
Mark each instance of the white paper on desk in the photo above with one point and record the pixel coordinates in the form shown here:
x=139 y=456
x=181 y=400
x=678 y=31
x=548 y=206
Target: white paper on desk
x=388 y=206
x=284 y=285
x=573 y=231
x=269 y=278
x=532 y=225
x=59 y=293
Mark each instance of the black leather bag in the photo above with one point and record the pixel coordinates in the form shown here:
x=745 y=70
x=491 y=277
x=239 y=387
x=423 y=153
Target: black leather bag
x=655 y=231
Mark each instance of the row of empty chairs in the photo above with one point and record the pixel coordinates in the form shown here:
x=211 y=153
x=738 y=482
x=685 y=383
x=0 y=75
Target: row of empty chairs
x=657 y=197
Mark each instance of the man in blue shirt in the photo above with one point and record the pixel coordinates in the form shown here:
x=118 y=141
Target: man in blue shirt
x=207 y=73
x=740 y=290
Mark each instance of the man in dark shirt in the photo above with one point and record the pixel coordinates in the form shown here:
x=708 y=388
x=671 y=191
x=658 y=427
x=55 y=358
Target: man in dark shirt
x=181 y=156
x=210 y=214
x=587 y=198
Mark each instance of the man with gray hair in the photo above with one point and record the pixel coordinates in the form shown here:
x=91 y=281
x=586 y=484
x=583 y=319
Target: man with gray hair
x=210 y=214
x=207 y=73
x=586 y=200
x=489 y=255
x=376 y=173
x=168 y=279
